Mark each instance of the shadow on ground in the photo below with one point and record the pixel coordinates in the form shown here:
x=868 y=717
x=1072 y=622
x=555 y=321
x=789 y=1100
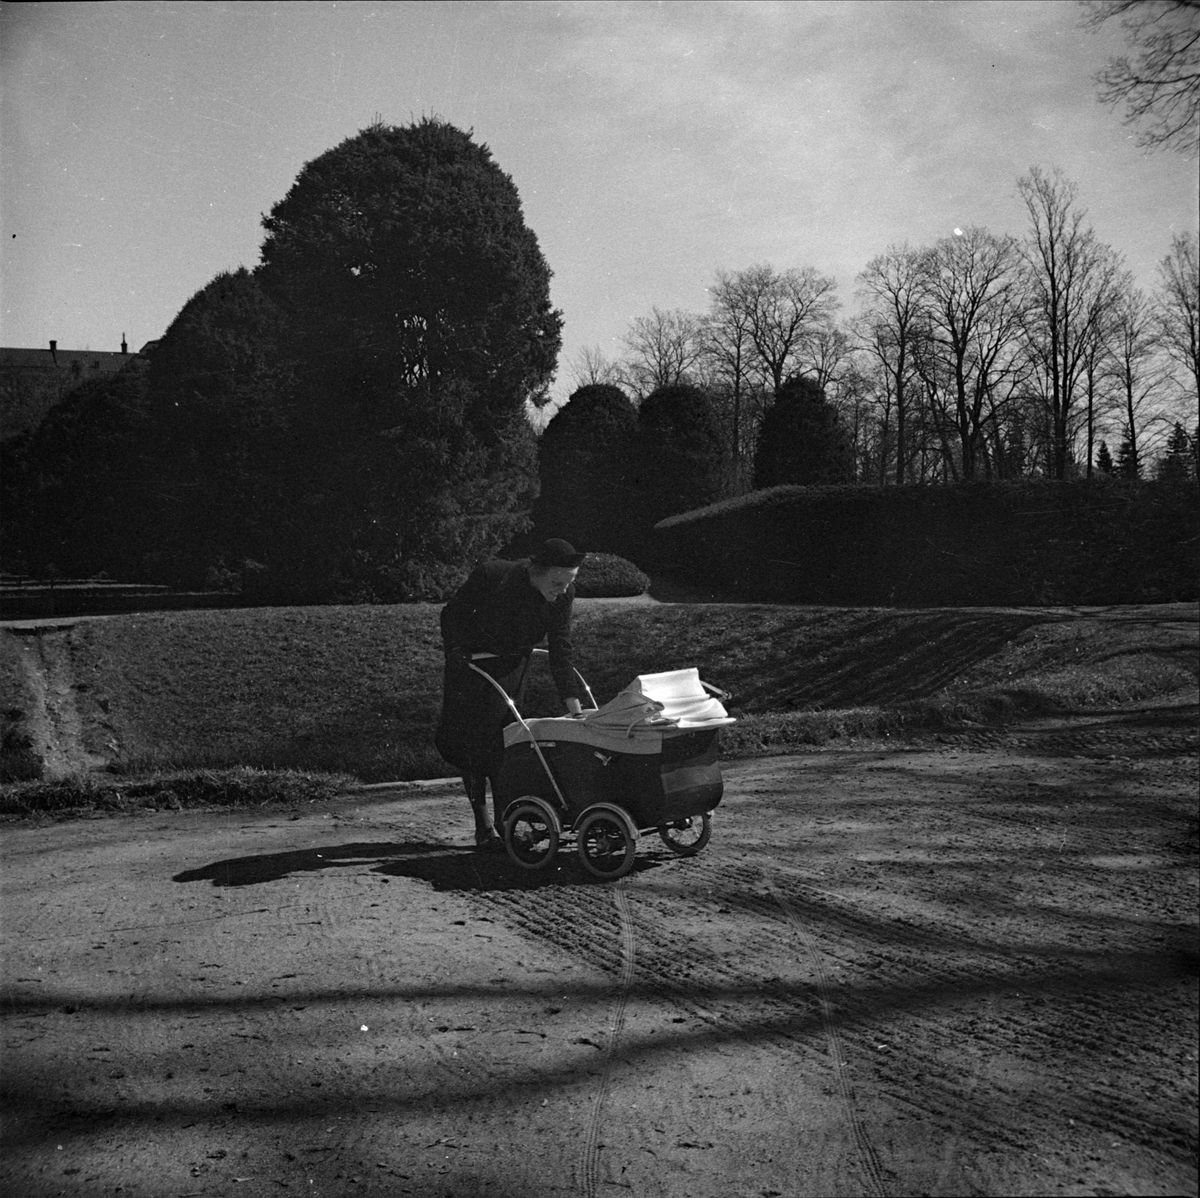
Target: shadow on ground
x=445 y=868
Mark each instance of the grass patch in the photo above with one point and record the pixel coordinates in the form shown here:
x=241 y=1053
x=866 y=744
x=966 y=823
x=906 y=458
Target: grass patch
x=351 y=690
x=757 y=735
x=918 y=665
x=175 y=791
x=355 y=691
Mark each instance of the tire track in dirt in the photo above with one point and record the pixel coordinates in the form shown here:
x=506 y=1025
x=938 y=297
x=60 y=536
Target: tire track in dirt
x=886 y=959
x=997 y=990
x=672 y=968
x=1032 y=1010
x=849 y=1009
x=1017 y=1029
x=683 y=974
x=868 y=1158
x=589 y=1168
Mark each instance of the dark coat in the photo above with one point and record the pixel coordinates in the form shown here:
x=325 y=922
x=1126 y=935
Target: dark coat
x=497 y=610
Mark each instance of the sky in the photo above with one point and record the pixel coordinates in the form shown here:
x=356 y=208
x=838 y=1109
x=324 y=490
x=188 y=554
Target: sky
x=652 y=143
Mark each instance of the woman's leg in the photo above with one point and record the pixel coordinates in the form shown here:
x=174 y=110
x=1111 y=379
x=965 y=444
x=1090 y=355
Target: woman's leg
x=496 y=812
x=475 y=784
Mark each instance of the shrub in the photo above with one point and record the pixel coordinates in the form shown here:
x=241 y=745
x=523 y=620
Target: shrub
x=583 y=464
x=680 y=457
x=606 y=576
x=802 y=440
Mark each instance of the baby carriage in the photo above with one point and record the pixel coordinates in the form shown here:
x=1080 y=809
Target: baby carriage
x=646 y=761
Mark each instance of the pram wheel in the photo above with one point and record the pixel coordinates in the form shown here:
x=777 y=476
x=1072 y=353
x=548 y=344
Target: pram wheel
x=531 y=832
x=686 y=837
x=607 y=841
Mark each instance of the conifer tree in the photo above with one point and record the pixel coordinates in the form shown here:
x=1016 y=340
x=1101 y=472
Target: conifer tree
x=1179 y=463
x=584 y=469
x=679 y=460
x=226 y=481
x=418 y=305
x=802 y=440
x=1127 y=464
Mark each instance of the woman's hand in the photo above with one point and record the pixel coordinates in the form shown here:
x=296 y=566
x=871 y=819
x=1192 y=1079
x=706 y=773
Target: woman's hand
x=574 y=707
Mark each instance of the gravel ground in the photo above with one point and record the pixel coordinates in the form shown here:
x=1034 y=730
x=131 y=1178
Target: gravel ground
x=968 y=967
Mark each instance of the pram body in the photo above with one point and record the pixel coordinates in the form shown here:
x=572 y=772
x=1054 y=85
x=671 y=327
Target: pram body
x=646 y=761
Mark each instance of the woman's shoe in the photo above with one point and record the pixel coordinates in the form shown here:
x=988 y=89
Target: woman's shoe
x=488 y=842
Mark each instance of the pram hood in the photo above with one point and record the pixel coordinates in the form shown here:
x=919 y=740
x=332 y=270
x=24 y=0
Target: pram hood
x=635 y=721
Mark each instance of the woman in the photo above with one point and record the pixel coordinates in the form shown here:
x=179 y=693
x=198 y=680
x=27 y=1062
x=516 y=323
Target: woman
x=504 y=609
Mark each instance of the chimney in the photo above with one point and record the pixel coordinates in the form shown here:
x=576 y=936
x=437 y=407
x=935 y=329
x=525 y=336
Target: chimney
x=54 y=351
x=124 y=344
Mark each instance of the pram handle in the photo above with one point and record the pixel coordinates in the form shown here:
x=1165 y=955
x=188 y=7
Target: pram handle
x=532 y=739
x=582 y=679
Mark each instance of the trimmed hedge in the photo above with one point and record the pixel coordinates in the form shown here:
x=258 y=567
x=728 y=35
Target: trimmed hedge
x=606 y=576
x=1030 y=542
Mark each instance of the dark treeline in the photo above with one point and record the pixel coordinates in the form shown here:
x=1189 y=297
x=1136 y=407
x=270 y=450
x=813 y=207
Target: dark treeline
x=351 y=420
x=981 y=356
x=346 y=421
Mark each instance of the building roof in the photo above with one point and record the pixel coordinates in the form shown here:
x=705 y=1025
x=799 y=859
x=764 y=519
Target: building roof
x=32 y=381
x=89 y=360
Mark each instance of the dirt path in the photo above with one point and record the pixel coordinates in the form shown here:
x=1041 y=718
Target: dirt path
x=57 y=728
x=964 y=969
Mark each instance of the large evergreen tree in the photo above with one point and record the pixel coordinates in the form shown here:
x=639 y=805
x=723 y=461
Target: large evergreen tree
x=802 y=440
x=419 y=310
x=226 y=480
x=584 y=468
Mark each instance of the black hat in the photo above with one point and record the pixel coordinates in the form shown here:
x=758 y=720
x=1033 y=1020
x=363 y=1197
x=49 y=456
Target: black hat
x=557 y=552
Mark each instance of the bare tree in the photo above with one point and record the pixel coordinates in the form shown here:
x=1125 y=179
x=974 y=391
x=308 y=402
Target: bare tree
x=856 y=404
x=1071 y=278
x=1096 y=380
x=784 y=311
x=1009 y=450
x=590 y=367
x=828 y=350
x=937 y=393
x=729 y=361
x=1179 y=310
x=876 y=452
x=763 y=326
x=889 y=285
x=973 y=302
x=1160 y=87
x=1137 y=370
x=663 y=349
